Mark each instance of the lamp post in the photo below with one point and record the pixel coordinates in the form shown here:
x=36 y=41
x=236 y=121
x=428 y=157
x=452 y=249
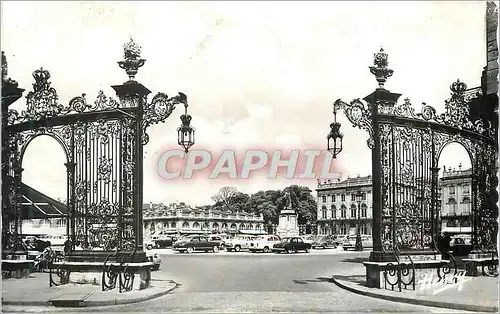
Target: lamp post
x=334 y=138
x=359 y=244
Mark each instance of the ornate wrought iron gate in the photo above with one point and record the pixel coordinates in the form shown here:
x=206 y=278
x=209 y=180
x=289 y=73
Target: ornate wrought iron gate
x=405 y=152
x=103 y=145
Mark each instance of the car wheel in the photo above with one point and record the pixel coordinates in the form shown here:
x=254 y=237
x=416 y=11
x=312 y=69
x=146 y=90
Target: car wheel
x=307 y=250
x=156 y=267
x=215 y=249
x=287 y=251
x=149 y=247
x=228 y=249
x=190 y=249
x=324 y=246
x=345 y=249
x=237 y=248
x=266 y=249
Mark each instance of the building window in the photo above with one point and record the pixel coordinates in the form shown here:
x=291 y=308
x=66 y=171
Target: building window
x=343 y=211
x=364 y=228
x=363 y=211
x=452 y=205
x=466 y=189
x=364 y=196
x=185 y=225
x=334 y=212
x=174 y=224
x=353 y=197
x=343 y=229
x=324 y=198
x=333 y=198
x=343 y=197
x=452 y=190
x=353 y=211
x=323 y=212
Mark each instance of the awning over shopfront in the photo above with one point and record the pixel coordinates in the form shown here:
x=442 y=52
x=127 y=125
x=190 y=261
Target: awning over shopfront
x=36 y=205
x=252 y=232
x=457 y=230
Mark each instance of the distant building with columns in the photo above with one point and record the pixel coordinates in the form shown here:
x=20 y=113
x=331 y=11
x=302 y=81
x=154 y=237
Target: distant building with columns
x=338 y=207
x=179 y=218
x=455 y=189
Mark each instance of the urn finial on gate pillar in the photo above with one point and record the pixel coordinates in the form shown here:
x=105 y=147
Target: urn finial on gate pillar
x=133 y=60
x=380 y=69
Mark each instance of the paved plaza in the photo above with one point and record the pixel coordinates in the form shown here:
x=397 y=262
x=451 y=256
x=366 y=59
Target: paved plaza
x=245 y=282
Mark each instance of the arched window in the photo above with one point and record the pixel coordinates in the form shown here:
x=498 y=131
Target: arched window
x=452 y=205
x=323 y=212
x=334 y=211
x=215 y=226
x=363 y=228
x=343 y=229
x=224 y=226
x=353 y=211
x=173 y=224
x=196 y=225
x=233 y=226
x=205 y=226
x=185 y=225
x=363 y=211
x=451 y=223
x=343 y=212
x=465 y=223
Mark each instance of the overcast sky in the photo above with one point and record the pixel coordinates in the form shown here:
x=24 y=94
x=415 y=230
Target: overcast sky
x=259 y=74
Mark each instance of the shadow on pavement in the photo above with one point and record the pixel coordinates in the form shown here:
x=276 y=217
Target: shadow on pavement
x=358 y=260
x=307 y=281
x=357 y=279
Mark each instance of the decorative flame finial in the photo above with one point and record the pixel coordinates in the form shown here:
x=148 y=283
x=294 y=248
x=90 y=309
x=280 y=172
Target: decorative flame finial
x=380 y=70
x=133 y=61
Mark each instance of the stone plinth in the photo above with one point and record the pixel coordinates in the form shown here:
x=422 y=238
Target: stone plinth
x=288 y=226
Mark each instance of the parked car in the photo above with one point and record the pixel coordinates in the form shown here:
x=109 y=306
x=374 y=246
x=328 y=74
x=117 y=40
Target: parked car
x=153 y=257
x=238 y=243
x=54 y=239
x=264 y=243
x=195 y=243
x=460 y=247
x=350 y=242
x=220 y=238
x=325 y=242
x=292 y=244
x=165 y=241
x=309 y=238
x=148 y=244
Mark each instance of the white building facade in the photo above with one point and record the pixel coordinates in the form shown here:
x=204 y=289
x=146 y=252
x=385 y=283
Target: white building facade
x=455 y=188
x=339 y=209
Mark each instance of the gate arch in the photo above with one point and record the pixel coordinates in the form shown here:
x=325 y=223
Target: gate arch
x=103 y=143
x=406 y=147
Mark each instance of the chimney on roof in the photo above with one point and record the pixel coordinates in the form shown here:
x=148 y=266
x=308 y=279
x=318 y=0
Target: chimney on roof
x=359 y=175
x=348 y=177
x=460 y=166
x=150 y=205
x=444 y=168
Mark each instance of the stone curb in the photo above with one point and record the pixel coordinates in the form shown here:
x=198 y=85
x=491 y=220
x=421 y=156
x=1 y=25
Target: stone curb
x=440 y=304
x=99 y=303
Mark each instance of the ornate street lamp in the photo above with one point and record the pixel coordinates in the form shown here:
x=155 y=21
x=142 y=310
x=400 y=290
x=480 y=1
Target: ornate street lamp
x=359 y=244
x=185 y=133
x=334 y=138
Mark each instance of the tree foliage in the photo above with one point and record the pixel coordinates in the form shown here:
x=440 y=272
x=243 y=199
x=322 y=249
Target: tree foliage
x=269 y=203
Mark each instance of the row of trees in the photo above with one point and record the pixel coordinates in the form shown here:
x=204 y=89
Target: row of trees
x=269 y=203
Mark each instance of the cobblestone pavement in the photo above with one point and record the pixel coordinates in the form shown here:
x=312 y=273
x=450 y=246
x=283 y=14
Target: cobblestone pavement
x=263 y=283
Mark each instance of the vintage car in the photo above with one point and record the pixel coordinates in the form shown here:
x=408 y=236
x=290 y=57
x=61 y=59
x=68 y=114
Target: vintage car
x=291 y=244
x=153 y=257
x=195 y=243
x=328 y=241
x=264 y=243
x=238 y=243
x=460 y=247
x=165 y=241
x=54 y=239
x=350 y=242
x=220 y=238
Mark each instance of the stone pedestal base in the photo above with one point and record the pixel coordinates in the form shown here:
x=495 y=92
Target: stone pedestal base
x=92 y=272
x=17 y=268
